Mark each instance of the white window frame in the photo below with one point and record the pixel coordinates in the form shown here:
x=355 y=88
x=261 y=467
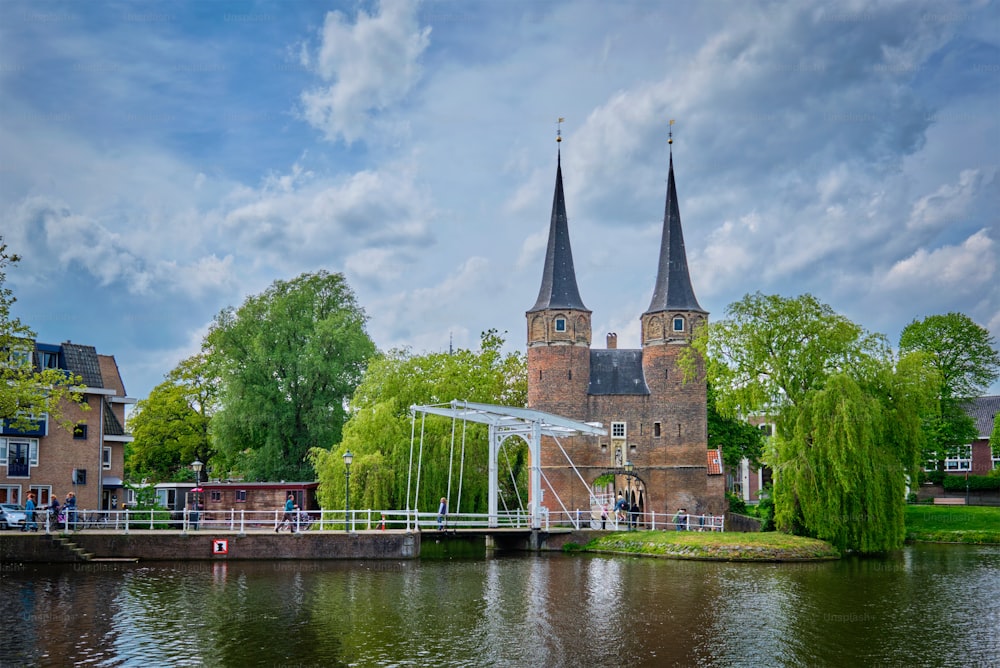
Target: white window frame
x=560 y=324
x=678 y=319
x=3 y=452
x=619 y=430
x=960 y=463
x=106 y=458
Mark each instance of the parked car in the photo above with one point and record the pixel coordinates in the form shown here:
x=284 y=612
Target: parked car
x=11 y=516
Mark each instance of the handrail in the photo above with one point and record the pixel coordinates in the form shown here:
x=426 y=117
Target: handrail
x=242 y=521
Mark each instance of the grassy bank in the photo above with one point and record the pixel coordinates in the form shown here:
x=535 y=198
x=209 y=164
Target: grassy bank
x=953 y=524
x=770 y=546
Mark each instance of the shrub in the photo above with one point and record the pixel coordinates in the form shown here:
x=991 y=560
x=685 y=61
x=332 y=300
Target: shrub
x=736 y=504
x=958 y=483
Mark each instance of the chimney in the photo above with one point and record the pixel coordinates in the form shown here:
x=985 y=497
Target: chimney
x=612 y=341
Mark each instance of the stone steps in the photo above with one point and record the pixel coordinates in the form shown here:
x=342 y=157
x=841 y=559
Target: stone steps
x=68 y=544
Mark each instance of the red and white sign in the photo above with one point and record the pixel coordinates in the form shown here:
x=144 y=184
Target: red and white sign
x=220 y=546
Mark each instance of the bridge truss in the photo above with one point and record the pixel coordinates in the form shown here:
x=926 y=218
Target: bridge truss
x=505 y=422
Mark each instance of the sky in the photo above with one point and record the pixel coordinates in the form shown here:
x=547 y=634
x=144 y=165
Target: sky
x=161 y=161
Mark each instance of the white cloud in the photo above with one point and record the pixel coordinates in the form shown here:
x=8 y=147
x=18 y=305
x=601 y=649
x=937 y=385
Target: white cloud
x=964 y=268
x=948 y=204
x=369 y=65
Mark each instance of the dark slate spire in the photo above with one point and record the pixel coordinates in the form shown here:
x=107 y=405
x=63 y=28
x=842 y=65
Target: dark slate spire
x=558 y=289
x=673 y=291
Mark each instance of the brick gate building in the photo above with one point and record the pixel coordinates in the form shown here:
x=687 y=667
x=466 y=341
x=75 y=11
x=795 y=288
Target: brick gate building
x=656 y=420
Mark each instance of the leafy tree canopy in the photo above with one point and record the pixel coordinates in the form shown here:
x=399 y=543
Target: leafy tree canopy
x=847 y=414
x=171 y=426
x=738 y=439
x=378 y=433
x=26 y=391
x=963 y=352
x=288 y=362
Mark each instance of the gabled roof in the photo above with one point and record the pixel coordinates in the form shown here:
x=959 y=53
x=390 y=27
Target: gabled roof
x=715 y=462
x=616 y=371
x=82 y=360
x=112 y=427
x=982 y=410
x=559 y=289
x=673 y=290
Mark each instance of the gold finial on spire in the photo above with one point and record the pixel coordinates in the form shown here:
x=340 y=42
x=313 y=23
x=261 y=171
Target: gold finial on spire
x=559 y=129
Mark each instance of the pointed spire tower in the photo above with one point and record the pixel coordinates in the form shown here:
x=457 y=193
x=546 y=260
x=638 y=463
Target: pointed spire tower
x=674 y=310
x=559 y=329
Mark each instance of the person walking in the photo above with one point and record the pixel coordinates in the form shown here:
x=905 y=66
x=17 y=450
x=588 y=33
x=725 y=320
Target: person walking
x=69 y=508
x=54 y=511
x=604 y=516
x=29 y=514
x=289 y=517
x=442 y=511
x=681 y=520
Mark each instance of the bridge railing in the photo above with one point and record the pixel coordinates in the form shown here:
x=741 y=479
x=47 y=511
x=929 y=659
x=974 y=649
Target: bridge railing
x=358 y=520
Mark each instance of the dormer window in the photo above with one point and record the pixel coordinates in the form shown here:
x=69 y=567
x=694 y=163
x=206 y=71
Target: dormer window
x=678 y=324
x=560 y=324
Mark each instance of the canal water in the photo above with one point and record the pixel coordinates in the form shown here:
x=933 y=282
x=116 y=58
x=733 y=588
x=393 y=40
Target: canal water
x=927 y=605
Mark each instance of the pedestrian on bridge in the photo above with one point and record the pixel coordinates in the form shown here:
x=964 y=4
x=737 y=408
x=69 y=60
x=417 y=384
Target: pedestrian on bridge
x=442 y=511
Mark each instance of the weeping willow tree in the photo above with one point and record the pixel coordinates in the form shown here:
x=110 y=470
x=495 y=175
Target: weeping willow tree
x=378 y=432
x=847 y=414
x=842 y=466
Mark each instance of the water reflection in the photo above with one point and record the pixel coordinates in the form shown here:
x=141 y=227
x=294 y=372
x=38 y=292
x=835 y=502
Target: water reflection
x=924 y=606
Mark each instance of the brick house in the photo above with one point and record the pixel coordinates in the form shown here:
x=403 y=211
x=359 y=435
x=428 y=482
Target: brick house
x=88 y=460
x=977 y=457
x=657 y=421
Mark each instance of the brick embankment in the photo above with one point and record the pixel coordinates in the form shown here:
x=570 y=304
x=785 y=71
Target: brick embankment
x=176 y=546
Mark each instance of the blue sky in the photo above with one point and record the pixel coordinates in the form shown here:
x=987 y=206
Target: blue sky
x=160 y=161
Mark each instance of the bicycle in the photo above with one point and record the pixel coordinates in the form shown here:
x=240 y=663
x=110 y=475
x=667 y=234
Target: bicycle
x=95 y=521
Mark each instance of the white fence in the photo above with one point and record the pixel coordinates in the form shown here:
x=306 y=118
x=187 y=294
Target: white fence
x=243 y=521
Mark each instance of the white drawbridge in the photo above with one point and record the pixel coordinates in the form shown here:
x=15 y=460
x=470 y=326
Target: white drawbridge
x=504 y=422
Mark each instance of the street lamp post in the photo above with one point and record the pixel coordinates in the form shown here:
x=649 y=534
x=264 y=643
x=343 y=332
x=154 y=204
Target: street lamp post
x=348 y=458
x=196 y=466
x=628 y=493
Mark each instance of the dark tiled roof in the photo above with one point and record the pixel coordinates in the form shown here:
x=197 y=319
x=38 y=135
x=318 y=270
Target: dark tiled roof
x=82 y=360
x=616 y=372
x=982 y=410
x=559 y=289
x=673 y=291
x=112 y=427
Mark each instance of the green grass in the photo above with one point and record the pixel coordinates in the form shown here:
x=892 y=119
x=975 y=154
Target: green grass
x=953 y=524
x=769 y=546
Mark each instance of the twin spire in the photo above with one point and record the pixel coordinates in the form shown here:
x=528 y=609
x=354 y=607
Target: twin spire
x=673 y=290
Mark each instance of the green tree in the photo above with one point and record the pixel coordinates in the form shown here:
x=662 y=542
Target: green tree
x=963 y=354
x=738 y=439
x=288 y=362
x=846 y=414
x=379 y=430
x=171 y=426
x=26 y=391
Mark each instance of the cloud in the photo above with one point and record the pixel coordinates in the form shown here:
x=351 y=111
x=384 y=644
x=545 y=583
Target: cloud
x=369 y=65
x=948 y=204
x=964 y=268
x=299 y=218
x=55 y=240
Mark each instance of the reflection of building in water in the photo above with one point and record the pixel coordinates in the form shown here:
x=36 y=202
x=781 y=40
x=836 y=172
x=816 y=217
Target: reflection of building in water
x=656 y=418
